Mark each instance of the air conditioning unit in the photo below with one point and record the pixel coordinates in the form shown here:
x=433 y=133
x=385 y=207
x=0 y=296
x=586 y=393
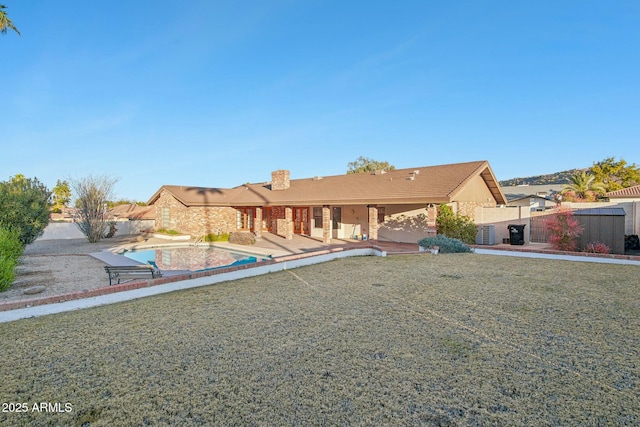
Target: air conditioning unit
x=486 y=235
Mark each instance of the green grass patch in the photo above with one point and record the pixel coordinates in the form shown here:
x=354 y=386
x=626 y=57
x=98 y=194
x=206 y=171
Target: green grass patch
x=462 y=339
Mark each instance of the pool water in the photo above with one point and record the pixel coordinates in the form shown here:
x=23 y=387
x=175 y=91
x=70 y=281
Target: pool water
x=189 y=258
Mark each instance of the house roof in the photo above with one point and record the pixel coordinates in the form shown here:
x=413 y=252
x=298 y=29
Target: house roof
x=132 y=211
x=522 y=191
x=625 y=192
x=529 y=196
x=600 y=212
x=430 y=184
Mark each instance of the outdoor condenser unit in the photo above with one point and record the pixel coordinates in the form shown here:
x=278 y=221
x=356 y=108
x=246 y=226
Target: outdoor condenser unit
x=485 y=235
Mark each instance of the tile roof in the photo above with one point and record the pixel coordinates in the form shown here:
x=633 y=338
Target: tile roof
x=625 y=192
x=431 y=184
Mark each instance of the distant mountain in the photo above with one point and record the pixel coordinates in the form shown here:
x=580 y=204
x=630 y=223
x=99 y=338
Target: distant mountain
x=548 y=179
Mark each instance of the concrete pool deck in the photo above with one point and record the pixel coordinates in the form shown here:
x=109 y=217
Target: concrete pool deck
x=287 y=254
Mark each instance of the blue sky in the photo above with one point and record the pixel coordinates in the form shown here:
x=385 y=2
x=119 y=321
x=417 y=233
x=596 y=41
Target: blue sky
x=220 y=93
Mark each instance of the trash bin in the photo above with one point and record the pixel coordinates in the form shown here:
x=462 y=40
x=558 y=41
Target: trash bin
x=516 y=233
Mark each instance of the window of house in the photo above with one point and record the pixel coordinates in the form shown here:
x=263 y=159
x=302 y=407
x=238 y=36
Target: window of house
x=317 y=217
x=381 y=215
x=245 y=219
x=165 y=218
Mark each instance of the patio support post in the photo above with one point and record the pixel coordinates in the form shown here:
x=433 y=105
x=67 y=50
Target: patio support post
x=288 y=216
x=373 y=222
x=257 y=224
x=326 y=224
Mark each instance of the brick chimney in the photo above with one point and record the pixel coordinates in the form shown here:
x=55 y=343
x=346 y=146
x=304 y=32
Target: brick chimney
x=280 y=180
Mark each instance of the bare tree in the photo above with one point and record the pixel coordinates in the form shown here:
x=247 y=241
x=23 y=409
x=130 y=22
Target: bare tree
x=92 y=194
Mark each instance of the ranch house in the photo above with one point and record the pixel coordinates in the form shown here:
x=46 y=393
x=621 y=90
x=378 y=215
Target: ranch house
x=398 y=205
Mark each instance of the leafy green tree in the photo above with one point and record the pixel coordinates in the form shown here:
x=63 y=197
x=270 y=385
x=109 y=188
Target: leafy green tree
x=5 y=22
x=364 y=164
x=583 y=185
x=455 y=226
x=61 y=195
x=24 y=207
x=615 y=175
x=92 y=196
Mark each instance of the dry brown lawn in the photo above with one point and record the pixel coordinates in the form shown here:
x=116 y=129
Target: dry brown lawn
x=461 y=339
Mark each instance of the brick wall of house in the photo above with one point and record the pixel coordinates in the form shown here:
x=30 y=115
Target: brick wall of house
x=195 y=220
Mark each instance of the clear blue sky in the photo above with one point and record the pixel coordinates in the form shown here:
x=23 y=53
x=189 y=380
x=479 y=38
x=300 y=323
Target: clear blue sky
x=219 y=93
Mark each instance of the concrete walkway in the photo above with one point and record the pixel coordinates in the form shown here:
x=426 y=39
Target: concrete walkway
x=295 y=251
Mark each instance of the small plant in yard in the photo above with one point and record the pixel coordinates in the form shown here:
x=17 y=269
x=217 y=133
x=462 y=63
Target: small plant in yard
x=223 y=237
x=564 y=230
x=446 y=244
x=597 y=248
x=166 y=231
x=455 y=226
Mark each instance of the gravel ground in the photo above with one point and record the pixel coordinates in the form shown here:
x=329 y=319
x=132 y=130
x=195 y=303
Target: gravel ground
x=461 y=339
x=61 y=266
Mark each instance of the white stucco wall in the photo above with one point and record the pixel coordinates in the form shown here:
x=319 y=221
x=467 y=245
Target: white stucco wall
x=69 y=230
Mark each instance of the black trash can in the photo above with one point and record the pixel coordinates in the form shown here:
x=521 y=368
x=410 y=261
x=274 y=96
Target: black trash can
x=516 y=233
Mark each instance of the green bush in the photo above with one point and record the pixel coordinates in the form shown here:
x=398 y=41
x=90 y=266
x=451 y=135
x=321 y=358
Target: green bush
x=24 y=207
x=224 y=237
x=10 y=250
x=456 y=226
x=447 y=244
x=170 y=232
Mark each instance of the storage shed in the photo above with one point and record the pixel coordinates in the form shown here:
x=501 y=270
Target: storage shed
x=604 y=225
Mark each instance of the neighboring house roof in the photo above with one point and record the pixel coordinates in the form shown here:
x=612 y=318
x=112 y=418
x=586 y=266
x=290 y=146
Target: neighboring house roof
x=431 y=184
x=530 y=196
x=523 y=191
x=132 y=211
x=629 y=192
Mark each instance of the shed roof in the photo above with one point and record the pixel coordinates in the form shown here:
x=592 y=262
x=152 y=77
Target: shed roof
x=601 y=212
x=429 y=184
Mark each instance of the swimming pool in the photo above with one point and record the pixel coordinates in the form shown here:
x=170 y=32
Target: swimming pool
x=190 y=258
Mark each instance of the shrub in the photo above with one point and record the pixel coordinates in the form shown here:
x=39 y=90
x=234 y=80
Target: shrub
x=24 y=207
x=455 y=226
x=597 y=248
x=10 y=250
x=447 y=245
x=224 y=237
x=242 y=238
x=564 y=230
x=93 y=193
x=170 y=232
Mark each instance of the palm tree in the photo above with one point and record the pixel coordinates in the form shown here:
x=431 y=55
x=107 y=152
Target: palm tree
x=582 y=183
x=5 y=22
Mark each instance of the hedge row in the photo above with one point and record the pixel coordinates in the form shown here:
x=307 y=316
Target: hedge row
x=10 y=250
